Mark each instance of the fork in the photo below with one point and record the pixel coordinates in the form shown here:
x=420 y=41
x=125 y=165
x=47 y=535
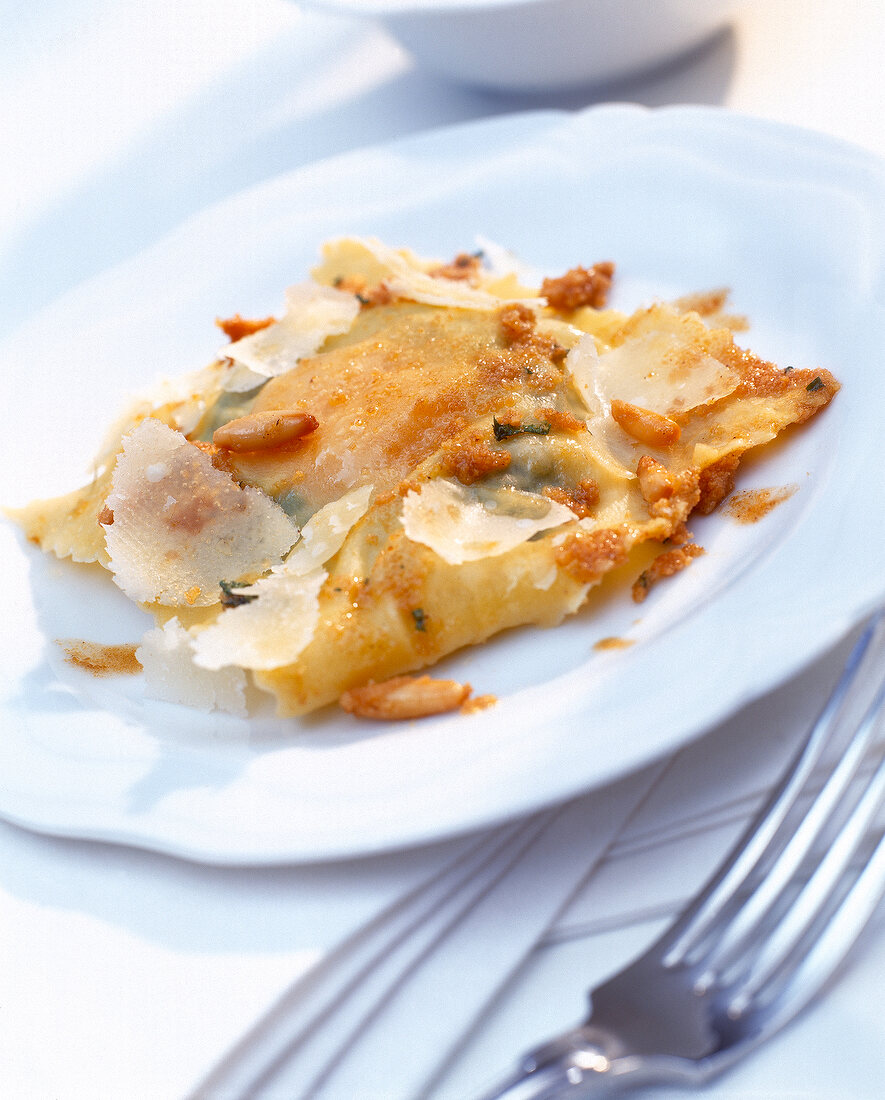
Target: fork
x=764 y=935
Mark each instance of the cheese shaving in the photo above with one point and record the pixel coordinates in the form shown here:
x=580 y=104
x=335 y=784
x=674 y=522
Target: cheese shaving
x=660 y=372
x=456 y=525
x=281 y=613
x=270 y=630
x=406 y=277
x=655 y=371
x=582 y=363
x=313 y=314
x=170 y=675
x=180 y=526
x=610 y=449
x=324 y=533
x=182 y=403
x=499 y=261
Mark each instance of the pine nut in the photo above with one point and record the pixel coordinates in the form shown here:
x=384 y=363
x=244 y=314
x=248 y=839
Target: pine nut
x=405 y=697
x=645 y=426
x=264 y=430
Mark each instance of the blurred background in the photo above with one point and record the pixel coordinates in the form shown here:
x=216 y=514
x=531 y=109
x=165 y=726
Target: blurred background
x=120 y=120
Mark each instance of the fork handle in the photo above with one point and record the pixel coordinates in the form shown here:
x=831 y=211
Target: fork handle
x=541 y=1084
x=587 y=1061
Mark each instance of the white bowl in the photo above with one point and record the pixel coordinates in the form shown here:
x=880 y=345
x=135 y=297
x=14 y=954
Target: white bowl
x=539 y=45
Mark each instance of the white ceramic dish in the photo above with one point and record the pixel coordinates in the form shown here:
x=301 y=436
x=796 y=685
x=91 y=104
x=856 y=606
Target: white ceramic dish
x=683 y=199
x=542 y=45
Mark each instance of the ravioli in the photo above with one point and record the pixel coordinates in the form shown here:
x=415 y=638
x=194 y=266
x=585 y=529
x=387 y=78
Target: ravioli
x=414 y=458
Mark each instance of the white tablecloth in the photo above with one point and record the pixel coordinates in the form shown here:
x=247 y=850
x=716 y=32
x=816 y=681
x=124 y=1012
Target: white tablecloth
x=126 y=974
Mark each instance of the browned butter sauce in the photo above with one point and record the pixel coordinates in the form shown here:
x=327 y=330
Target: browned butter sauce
x=613 y=643
x=750 y=505
x=101 y=660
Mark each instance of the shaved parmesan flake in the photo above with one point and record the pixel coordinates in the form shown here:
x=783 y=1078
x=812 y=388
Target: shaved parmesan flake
x=658 y=371
x=655 y=371
x=167 y=656
x=270 y=630
x=737 y=432
x=180 y=526
x=582 y=363
x=241 y=379
x=610 y=447
x=182 y=402
x=313 y=314
x=499 y=261
x=324 y=533
x=458 y=527
x=406 y=277
x=189 y=395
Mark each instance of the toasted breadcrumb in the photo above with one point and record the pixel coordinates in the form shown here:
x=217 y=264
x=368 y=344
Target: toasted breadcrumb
x=750 y=505
x=716 y=482
x=664 y=565
x=472 y=459
x=517 y=323
x=587 y=556
x=465 y=266
x=237 y=327
x=580 y=287
x=582 y=499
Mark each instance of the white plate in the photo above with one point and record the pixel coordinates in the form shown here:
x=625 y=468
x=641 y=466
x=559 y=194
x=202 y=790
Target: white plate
x=682 y=199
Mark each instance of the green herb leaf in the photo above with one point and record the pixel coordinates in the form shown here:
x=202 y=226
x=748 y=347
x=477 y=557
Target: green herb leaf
x=229 y=598
x=505 y=431
x=420 y=619
x=815 y=384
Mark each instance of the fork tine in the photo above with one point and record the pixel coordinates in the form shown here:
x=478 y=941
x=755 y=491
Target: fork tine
x=812 y=900
x=753 y=910
x=701 y=917
x=817 y=965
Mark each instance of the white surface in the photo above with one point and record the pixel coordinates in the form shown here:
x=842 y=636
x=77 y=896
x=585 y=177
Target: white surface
x=464 y=934
x=116 y=124
x=803 y=251
x=128 y=974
